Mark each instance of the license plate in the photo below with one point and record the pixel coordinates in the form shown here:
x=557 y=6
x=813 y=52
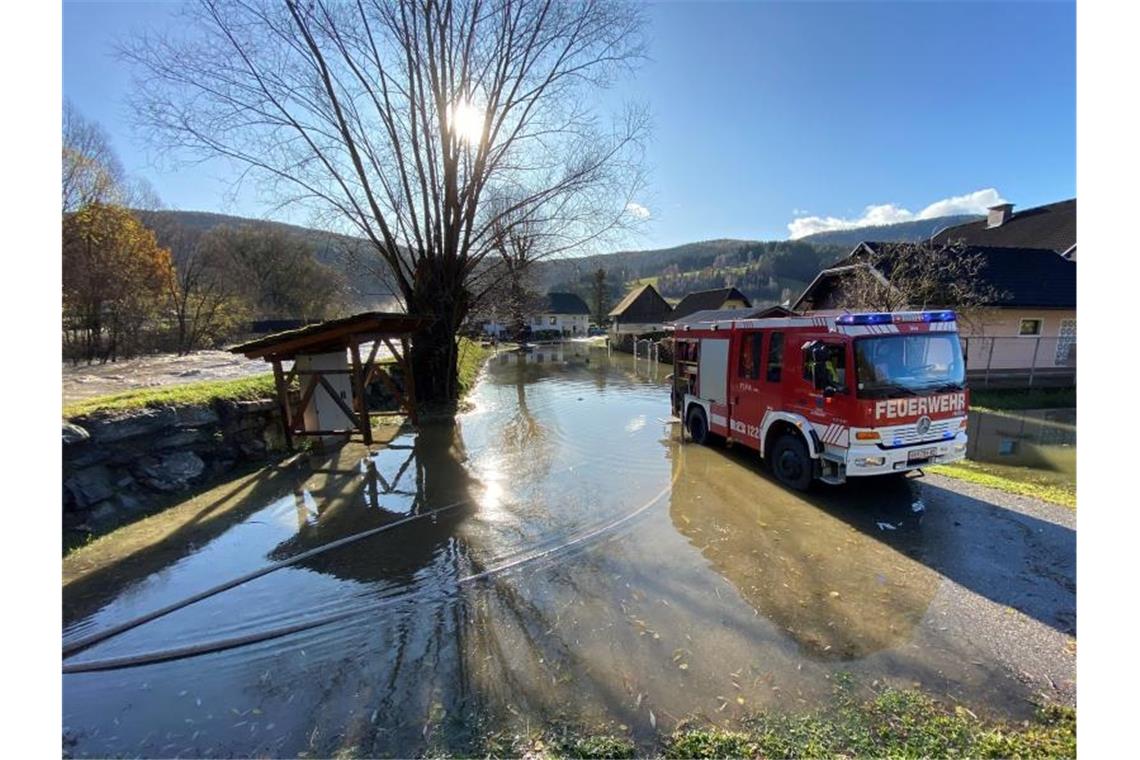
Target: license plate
x=921 y=454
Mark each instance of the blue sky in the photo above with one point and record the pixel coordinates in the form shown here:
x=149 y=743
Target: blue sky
x=765 y=113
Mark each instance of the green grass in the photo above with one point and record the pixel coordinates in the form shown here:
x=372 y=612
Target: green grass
x=472 y=357
x=1047 y=485
x=891 y=723
x=243 y=389
x=1030 y=398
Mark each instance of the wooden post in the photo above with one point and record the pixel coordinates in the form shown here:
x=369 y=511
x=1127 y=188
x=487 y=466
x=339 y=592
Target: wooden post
x=361 y=403
x=283 y=401
x=409 y=381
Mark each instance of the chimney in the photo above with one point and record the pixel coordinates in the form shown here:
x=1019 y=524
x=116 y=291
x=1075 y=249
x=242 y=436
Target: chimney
x=998 y=215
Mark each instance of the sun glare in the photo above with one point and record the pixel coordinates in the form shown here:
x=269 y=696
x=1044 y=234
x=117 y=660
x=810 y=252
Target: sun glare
x=467 y=122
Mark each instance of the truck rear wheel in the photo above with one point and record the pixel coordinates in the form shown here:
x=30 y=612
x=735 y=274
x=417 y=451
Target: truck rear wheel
x=791 y=463
x=698 y=425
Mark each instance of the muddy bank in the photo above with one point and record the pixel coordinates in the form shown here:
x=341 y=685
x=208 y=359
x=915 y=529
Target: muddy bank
x=83 y=381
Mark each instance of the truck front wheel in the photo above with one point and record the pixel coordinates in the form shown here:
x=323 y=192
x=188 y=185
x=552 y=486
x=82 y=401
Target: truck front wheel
x=698 y=425
x=791 y=463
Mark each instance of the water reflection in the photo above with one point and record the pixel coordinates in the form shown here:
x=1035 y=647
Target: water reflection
x=839 y=595
x=1044 y=439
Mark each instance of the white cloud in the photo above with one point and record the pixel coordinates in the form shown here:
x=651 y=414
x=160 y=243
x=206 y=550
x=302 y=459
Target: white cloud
x=888 y=213
x=637 y=210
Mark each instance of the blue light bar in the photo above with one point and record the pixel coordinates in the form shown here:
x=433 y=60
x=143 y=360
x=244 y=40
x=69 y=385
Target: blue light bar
x=938 y=316
x=863 y=319
x=884 y=318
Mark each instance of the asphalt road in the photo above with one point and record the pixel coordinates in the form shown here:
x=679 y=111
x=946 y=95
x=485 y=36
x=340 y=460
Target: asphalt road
x=1011 y=587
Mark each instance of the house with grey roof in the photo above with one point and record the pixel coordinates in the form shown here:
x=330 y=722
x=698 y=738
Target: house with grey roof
x=565 y=313
x=1028 y=325
x=704 y=300
x=1052 y=226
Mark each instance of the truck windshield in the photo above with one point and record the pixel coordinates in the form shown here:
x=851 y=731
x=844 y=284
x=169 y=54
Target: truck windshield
x=890 y=365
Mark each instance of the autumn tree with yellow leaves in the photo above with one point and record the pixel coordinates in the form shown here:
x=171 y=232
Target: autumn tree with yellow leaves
x=115 y=277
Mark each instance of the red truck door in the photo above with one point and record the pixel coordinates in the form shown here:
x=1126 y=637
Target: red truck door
x=746 y=405
x=812 y=401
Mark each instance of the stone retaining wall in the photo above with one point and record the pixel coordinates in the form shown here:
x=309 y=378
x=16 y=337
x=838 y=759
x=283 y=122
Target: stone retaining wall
x=121 y=465
x=118 y=466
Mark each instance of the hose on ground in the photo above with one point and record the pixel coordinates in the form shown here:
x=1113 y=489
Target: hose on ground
x=91 y=640
x=193 y=650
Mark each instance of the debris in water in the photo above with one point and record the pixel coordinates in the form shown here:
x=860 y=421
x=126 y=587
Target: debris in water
x=652 y=719
x=918 y=506
x=886 y=526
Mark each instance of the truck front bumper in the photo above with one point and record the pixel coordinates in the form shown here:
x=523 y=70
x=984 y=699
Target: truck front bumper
x=873 y=460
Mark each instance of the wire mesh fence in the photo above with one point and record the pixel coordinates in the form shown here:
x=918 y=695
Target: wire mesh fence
x=1021 y=360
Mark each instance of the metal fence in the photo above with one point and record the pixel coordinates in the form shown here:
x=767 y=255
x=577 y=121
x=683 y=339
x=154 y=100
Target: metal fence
x=1021 y=361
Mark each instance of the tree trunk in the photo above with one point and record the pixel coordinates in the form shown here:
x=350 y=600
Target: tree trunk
x=434 y=362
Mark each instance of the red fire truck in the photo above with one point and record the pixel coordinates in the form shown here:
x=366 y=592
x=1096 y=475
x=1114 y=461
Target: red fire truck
x=827 y=397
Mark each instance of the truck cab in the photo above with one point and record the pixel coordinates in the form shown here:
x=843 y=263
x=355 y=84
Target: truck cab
x=827 y=397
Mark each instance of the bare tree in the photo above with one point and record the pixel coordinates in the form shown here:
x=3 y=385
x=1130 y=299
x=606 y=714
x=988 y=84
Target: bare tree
x=396 y=119
x=202 y=298
x=901 y=276
x=275 y=274
x=92 y=171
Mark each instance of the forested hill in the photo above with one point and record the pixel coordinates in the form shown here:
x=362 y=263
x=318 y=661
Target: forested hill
x=367 y=282
x=768 y=272
x=903 y=232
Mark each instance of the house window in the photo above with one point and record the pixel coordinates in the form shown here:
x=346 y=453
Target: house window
x=553 y=320
x=1029 y=327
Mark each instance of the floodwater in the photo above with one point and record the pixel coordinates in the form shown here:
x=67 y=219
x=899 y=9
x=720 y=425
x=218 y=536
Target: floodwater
x=568 y=560
x=1044 y=439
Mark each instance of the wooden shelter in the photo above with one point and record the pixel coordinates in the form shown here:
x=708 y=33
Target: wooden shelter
x=306 y=346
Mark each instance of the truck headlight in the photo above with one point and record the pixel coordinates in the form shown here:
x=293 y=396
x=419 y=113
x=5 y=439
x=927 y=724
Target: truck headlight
x=870 y=461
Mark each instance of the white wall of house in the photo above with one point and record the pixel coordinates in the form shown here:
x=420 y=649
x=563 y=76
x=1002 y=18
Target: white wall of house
x=1055 y=343
x=568 y=324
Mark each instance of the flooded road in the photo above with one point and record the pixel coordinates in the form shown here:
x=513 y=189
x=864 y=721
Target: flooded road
x=567 y=559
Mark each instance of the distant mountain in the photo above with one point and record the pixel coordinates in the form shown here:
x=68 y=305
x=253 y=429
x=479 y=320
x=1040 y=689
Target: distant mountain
x=902 y=232
x=367 y=277
x=766 y=271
